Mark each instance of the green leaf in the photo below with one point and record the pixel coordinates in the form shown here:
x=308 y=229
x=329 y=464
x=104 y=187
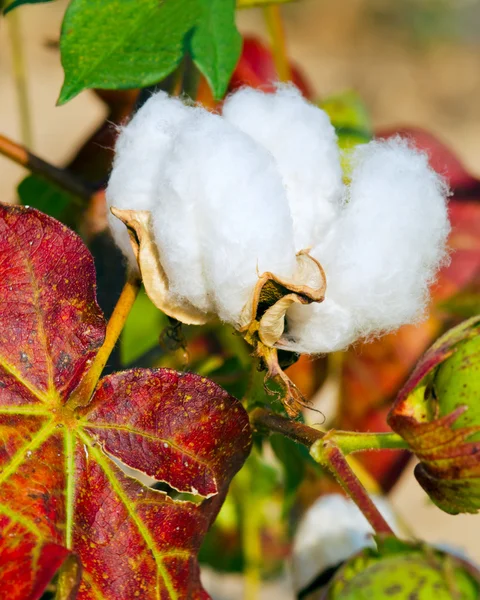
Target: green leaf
x=50 y=199
x=351 y=120
x=142 y=330
x=216 y=44
x=17 y=3
x=121 y=44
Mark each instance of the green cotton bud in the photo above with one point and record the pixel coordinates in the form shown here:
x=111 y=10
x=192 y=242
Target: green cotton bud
x=438 y=413
x=399 y=570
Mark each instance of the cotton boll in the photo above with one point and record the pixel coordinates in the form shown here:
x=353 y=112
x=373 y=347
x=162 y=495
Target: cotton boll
x=304 y=144
x=331 y=531
x=139 y=152
x=221 y=216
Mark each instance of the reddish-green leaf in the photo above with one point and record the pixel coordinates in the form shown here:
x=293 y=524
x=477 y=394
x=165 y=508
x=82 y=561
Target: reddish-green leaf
x=61 y=494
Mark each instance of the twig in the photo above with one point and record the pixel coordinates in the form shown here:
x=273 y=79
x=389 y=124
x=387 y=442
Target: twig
x=262 y=418
x=273 y=19
x=85 y=389
x=19 y=74
x=332 y=458
x=328 y=450
x=33 y=163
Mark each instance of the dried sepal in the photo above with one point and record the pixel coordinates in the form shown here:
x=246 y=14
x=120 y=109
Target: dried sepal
x=437 y=415
x=264 y=320
x=145 y=249
x=264 y=316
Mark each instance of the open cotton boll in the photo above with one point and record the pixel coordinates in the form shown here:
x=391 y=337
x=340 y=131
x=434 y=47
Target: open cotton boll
x=220 y=217
x=331 y=531
x=382 y=252
x=140 y=150
x=390 y=239
x=303 y=142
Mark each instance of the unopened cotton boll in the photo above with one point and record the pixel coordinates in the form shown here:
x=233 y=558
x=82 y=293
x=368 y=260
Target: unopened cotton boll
x=382 y=252
x=304 y=145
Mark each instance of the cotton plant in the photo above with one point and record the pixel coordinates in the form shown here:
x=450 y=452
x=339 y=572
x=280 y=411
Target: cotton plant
x=247 y=217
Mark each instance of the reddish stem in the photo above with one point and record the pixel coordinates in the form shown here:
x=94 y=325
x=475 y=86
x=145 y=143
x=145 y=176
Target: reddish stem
x=298 y=432
x=335 y=461
x=60 y=177
x=324 y=450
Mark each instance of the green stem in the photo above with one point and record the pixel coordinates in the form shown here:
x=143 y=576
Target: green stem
x=329 y=449
x=347 y=441
x=332 y=458
x=19 y=74
x=273 y=20
x=350 y=441
x=251 y=542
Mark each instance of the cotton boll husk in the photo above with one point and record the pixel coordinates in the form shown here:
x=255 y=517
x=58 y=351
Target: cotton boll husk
x=385 y=248
x=331 y=531
x=221 y=217
x=303 y=142
x=140 y=150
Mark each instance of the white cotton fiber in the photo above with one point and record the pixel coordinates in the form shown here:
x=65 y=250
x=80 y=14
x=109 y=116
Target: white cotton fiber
x=331 y=531
x=303 y=143
x=319 y=328
x=386 y=246
x=221 y=216
x=139 y=153
x=235 y=196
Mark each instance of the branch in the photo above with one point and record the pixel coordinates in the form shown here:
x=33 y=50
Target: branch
x=262 y=418
x=273 y=19
x=329 y=449
x=86 y=387
x=60 y=177
x=332 y=458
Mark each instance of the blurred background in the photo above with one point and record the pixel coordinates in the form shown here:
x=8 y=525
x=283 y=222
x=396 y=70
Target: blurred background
x=415 y=63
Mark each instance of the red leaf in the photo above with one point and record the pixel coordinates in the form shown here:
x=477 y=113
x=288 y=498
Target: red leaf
x=60 y=490
x=26 y=556
x=50 y=324
x=132 y=407
x=442 y=159
x=256 y=68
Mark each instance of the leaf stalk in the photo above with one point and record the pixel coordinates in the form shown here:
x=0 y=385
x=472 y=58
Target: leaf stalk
x=273 y=19
x=61 y=177
x=19 y=74
x=330 y=449
x=85 y=389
